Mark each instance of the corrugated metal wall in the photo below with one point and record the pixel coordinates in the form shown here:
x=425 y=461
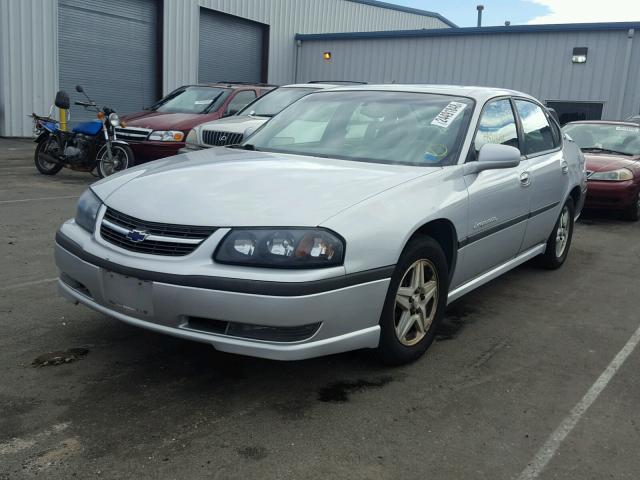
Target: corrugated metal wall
x=285 y=17
x=536 y=63
x=28 y=62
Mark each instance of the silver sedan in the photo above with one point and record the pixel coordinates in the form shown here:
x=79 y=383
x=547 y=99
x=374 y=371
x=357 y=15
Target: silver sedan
x=348 y=221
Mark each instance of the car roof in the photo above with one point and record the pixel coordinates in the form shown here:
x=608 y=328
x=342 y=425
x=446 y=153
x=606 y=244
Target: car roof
x=477 y=93
x=317 y=86
x=233 y=85
x=603 y=122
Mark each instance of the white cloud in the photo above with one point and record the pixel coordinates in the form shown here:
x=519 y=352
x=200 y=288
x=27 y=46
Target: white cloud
x=587 y=11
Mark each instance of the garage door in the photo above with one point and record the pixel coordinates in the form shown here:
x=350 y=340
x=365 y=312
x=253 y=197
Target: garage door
x=110 y=48
x=231 y=48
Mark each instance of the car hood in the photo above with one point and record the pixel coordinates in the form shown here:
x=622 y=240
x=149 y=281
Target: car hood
x=164 y=121
x=229 y=187
x=597 y=162
x=235 y=124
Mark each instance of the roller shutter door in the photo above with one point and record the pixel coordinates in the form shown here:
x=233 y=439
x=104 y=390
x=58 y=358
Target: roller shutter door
x=110 y=48
x=231 y=48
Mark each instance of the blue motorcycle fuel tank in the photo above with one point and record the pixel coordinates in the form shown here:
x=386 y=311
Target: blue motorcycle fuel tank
x=88 y=128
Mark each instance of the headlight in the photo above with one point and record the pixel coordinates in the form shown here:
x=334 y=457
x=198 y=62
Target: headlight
x=619 y=175
x=192 y=137
x=114 y=119
x=281 y=248
x=87 y=210
x=166 y=136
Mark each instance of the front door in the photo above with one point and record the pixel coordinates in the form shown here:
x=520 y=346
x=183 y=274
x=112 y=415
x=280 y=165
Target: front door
x=548 y=170
x=498 y=199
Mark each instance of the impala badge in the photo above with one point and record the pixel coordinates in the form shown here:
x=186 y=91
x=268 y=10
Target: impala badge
x=484 y=223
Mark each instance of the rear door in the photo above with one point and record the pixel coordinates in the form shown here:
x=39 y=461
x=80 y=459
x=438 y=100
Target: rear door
x=498 y=199
x=548 y=171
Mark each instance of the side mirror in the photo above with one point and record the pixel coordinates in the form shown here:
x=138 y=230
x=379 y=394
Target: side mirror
x=492 y=157
x=79 y=89
x=249 y=131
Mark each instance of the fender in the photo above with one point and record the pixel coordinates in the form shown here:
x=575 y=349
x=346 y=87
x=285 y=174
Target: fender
x=41 y=137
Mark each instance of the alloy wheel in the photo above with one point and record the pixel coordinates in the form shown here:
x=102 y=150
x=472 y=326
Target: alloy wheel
x=562 y=234
x=416 y=302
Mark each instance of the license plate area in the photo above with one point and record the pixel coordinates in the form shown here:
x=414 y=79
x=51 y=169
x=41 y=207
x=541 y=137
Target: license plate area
x=128 y=294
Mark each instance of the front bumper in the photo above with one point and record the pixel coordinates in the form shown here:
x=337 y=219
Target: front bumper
x=611 y=195
x=145 y=151
x=347 y=316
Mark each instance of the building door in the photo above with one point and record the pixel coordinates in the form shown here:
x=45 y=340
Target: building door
x=111 y=49
x=574 y=111
x=232 y=49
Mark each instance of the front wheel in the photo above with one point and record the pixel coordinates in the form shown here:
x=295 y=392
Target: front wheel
x=560 y=239
x=632 y=213
x=415 y=302
x=47 y=149
x=121 y=159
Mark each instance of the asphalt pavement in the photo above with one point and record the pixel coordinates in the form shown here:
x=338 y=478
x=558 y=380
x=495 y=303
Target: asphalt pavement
x=512 y=365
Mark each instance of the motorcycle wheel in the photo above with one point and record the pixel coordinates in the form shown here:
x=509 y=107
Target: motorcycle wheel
x=45 y=146
x=122 y=159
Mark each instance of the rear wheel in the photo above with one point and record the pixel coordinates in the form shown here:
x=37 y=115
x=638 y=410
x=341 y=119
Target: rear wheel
x=121 y=159
x=415 y=302
x=47 y=146
x=560 y=239
x=632 y=212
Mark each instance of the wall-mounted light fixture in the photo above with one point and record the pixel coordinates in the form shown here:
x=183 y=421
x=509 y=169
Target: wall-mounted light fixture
x=326 y=56
x=579 y=55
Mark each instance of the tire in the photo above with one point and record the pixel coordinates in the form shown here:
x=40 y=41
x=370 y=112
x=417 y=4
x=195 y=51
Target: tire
x=396 y=347
x=46 y=168
x=559 y=241
x=632 y=213
x=123 y=159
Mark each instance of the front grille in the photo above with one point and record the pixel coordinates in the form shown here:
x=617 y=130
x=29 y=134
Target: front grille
x=160 y=238
x=132 y=133
x=216 y=138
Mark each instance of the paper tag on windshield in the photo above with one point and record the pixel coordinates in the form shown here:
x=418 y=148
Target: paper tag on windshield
x=202 y=102
x=628 y=129
x=448 y=114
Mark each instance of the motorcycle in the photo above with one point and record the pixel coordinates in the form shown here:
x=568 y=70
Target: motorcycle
x=91 y=146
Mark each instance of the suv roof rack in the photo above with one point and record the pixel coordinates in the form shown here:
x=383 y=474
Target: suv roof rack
x=257 y=84
x=339 y=82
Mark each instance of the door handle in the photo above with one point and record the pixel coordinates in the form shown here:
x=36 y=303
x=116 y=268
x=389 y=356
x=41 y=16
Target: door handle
x=525 y=179
x=564 y=166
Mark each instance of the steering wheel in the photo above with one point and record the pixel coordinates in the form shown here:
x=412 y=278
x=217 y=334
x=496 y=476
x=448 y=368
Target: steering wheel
x=435 y=152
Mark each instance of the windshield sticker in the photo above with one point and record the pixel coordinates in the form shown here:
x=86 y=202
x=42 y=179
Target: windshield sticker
x=202 y=102
x=448 y=114
x=628 y=129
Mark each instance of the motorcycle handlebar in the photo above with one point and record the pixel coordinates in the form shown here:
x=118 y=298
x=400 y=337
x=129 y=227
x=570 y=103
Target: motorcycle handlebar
x=85 y=104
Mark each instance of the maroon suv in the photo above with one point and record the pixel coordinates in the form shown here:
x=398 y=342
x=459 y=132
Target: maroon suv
x=160 y=131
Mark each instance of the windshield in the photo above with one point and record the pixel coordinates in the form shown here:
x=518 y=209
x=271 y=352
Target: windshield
x=192 y=100
x=376 y=126
x=609 y=138
x=275 y=101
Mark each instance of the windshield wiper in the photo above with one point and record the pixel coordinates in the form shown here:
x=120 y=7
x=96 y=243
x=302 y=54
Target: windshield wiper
x=208 y=107
x=607 y=150
x=246 y=146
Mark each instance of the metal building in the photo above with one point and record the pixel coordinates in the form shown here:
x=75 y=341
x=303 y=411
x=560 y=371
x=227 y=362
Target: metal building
x=127 y=53
x=584 y=71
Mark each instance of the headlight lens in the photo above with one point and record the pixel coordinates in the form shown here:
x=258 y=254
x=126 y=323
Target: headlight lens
x=192 y=137
x=281 y=248
x=87 y=210
x=166 y=136
x=619 y=175
x=114 y=119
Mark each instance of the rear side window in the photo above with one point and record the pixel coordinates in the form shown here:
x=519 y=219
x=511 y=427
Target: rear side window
x=538 y=136
x=241 y=100
x=497 y=125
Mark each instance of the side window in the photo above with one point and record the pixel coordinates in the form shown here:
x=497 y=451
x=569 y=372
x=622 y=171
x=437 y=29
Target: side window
x=497 y=125
x=241 y=100
x=538 y=136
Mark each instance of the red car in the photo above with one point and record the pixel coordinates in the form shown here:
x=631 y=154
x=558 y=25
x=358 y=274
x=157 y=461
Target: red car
x=160 y=131
x=612 y=151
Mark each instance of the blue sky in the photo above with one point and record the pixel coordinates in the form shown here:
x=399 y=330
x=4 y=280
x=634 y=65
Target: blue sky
x=464 y=14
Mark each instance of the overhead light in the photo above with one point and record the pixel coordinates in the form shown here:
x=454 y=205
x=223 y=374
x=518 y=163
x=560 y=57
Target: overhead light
x=579 y=55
